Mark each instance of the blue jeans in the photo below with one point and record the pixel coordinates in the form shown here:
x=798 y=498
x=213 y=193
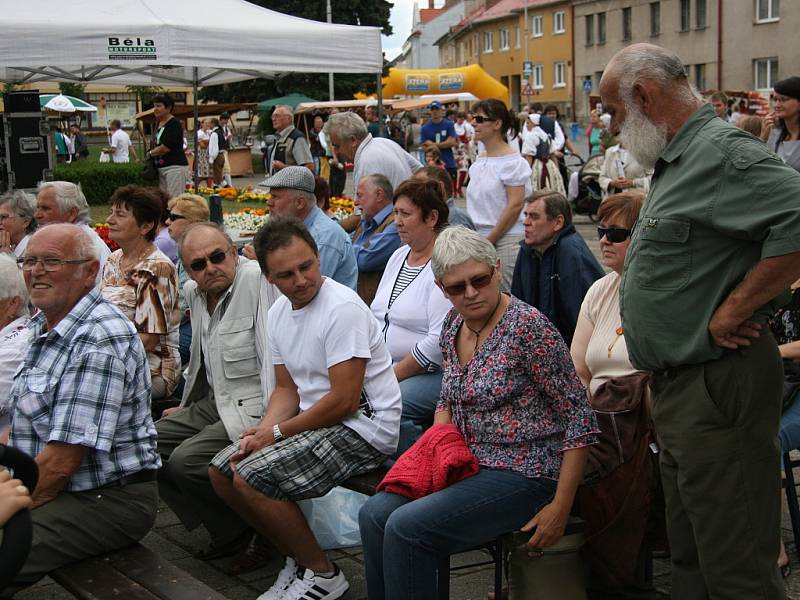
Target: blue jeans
x=420 y=395
x=404 y=540
x=789 y=433
x=185 y=342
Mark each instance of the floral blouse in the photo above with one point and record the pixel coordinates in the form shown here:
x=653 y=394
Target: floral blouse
x=518 y=402
x=148 y=296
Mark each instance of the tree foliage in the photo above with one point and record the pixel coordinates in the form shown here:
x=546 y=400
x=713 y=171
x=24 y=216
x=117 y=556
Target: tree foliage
x=315 y=85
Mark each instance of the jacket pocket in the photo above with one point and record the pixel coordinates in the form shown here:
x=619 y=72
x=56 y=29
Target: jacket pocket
x=665 y=259
x=237 y=342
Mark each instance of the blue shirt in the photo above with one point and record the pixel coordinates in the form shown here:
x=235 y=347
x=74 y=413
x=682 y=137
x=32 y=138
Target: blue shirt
x=373 y=250
x=336 y=257
x=86 y=382
x=443 y=129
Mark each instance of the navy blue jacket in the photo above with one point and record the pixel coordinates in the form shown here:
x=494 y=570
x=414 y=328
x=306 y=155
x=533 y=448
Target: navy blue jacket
x=556 y=282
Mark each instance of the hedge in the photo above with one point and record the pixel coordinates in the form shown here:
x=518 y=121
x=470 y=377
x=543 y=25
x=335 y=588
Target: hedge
x=99 y=180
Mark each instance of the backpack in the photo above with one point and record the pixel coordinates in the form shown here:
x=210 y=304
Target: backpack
x=543 y=149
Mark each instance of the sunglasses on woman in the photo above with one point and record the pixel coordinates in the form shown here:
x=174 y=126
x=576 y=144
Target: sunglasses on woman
x=482 y=119
x=615 y=235
x=175 y=216
x=476 y=283
x=215 y=258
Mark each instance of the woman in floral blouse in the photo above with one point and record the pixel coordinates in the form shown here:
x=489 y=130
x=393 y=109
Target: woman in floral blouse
x=511 y=389
x=143 y=283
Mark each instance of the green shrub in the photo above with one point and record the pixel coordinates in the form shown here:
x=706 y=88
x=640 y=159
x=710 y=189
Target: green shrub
x=99 y=180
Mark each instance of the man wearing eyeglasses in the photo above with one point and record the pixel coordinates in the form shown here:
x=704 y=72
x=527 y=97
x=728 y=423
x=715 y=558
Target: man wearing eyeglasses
x=80 y=405
x=228 y=381
x=555 y=268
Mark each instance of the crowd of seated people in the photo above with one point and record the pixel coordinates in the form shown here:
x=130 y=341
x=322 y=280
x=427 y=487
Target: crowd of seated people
x=492 y=328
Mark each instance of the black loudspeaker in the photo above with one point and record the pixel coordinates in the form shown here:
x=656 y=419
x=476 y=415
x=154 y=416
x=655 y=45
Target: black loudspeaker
x=22 y=102
x=28 y=150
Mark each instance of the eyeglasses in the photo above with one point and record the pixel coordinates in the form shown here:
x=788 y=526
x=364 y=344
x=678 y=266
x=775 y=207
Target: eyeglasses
x=215 y=257
x=781 y=99
x=175 y=217
x=476 y=283
x=50 y=264
x=615 y=235
x=4 y=217
x=482 y=119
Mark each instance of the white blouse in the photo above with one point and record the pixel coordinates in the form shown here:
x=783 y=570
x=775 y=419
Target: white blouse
x=486 y=193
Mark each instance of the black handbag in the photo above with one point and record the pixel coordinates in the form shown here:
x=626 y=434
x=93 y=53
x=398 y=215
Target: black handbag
x=149 y=170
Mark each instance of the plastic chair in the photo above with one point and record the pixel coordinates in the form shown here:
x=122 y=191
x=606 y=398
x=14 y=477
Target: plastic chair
x=18 y=531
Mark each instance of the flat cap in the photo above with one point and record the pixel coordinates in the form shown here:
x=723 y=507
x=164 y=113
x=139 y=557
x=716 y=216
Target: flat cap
x=292 y=178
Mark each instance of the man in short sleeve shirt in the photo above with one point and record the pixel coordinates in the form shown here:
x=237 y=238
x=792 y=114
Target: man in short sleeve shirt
x=716 y=247
x=440 y=132
x=335 y=411
x=80 y=405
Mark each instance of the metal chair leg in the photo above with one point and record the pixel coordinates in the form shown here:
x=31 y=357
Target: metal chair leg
x=499 y=556
x=791 y=500
x=443 y=579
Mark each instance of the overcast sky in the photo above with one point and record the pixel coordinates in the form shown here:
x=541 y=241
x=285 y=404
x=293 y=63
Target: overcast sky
x=401 y=25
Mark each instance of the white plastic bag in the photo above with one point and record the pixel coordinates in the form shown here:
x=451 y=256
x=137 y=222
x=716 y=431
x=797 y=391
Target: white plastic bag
x=104 y=157
x=334 y=518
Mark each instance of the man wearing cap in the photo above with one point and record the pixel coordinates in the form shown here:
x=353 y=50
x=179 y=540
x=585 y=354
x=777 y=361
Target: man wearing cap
x=440 y=133
x=292 y=194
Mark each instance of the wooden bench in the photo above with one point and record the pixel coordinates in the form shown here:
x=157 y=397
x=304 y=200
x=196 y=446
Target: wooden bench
x=133 y=573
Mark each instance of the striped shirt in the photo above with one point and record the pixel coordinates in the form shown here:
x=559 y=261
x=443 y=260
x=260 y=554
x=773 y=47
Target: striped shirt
x=86 y=382
x=404 y=278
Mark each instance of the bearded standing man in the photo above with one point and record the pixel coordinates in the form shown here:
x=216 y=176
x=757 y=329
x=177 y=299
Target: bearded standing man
x=717 y=242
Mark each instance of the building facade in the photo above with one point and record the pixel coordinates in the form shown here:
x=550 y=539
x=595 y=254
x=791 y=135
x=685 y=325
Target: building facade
x=497 y=36
x=429 y=24
x=602 y=28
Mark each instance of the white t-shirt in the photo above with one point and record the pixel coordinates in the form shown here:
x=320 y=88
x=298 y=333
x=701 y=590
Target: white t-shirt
x=486 y=193
x=334 y=327
x=121 y=144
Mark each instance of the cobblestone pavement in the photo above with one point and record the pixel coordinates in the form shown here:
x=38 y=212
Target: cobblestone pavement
x=171 y=541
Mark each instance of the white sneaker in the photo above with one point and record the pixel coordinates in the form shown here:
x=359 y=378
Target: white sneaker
x=308 y=586
x=286 y=577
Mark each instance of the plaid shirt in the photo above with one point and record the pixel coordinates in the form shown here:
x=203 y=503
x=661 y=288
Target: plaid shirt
x=87 y=382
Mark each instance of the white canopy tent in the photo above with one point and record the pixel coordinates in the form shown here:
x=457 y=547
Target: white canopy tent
x=161 y=42
x=184 y=42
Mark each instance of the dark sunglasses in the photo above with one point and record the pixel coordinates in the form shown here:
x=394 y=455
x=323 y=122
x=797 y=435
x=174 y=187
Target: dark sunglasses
x=477 y=283
x=615 y=235
x=201 y=263
x=175 y=217
x=482 y=119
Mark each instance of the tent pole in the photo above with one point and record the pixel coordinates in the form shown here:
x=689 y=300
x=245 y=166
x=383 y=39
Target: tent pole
x=196 y=116
x=380 y=104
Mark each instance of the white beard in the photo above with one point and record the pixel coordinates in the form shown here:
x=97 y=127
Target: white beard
x=643 y=139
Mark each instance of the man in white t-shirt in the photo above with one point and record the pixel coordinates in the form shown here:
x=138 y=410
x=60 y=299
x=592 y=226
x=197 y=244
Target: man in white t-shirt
x=121 y=146
x=335 y=411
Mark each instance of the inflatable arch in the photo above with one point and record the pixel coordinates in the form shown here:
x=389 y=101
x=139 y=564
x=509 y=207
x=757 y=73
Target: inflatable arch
x=472 y=79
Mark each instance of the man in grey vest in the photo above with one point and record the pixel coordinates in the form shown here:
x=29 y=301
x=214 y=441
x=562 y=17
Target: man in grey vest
x=229 y=379
x=291 y=148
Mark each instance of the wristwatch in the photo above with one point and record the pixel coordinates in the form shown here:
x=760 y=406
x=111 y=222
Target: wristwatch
x=277 y=436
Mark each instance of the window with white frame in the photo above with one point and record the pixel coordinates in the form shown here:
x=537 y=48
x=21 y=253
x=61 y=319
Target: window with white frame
x=504 y=39
x=536 y=26
x=767 y=10
x=538 y=77
x=765 y=73
x=517 y=42
x=601 y=28
x=559 y=22
x=559 y=74
x=488 y=41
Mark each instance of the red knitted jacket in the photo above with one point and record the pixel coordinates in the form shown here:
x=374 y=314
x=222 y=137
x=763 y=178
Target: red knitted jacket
x=438 y=459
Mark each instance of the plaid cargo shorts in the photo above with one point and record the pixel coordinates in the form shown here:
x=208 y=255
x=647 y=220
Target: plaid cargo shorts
x=306 y=465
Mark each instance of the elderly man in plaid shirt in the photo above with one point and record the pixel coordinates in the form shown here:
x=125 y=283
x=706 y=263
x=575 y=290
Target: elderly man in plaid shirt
x=80 y=405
